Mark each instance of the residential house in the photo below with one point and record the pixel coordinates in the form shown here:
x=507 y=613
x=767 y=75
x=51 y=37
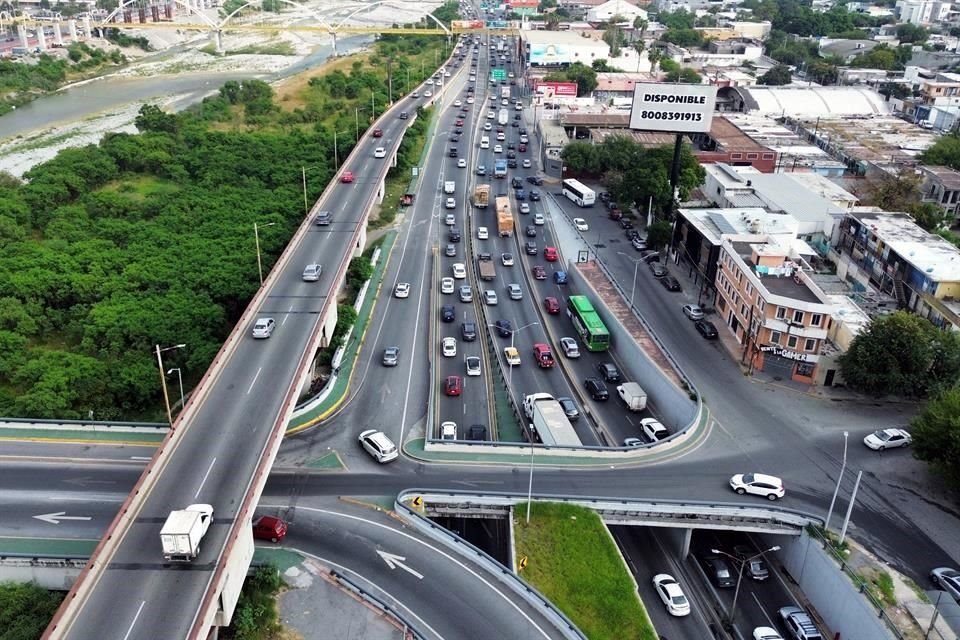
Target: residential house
x=941 y=185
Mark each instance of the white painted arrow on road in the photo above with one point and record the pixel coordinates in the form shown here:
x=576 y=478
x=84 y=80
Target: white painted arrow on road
x=55 y=518
x=393 y=561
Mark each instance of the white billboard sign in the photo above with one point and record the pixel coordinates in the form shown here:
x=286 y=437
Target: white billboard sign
x=680 y=108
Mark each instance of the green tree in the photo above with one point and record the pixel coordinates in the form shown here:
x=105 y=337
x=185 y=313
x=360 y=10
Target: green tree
x=907 y=33
x=581 y=157
x=658 y=234
x=600 y=65
x=26 y=609
x=778 y=75
x=681 y=19
x=684 y=74
x=153 y=118
x=944 y=152
x=936 y=435
x=584 y=76
x=902 y=354
x=683 y=37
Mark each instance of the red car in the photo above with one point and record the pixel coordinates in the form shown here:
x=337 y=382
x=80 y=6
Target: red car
x=269 y=528
x=459 y=122
x=550 y=254
x=552 y=305
x=543 y=355
x=378 y=133
x=539 y=273
x=522 y=148
x=347 y=177
x=454 y=385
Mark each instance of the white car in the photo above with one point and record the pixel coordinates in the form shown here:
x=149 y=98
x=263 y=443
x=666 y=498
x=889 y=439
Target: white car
x=490 y=297
x=402 y=290
x=506 y=259
x=516 y=293
x=470 y=100
x=504 y=102
x=451 y=203
x=758 y=484
x=466 y=293
x=888 y=439
x=459 y=270
x=428 y=93
x=446 y=285
x=462 y=163
x=693 y=311
x=491 y=115
x=379 y=446
x=450 y=220
x=501 y=136
x=538 y=219
x=482 y=233
x=497 y=148
x=430 y=81
x=510 y=74
x=487 y=126
x=570 y=347
x=449 y=346
x=526 y=163
x=457 y=103
x=448 y=431
x=512 y=356
x=948 y=580
x=671 y=594
x=653 y=429
x=473 y=365
x=766 y=633
x=379 y=152
x=263 y=328
x=581 y=224
x=525 y=208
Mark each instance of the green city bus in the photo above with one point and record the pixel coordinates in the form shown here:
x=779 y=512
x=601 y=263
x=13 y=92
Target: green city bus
x=593 y=333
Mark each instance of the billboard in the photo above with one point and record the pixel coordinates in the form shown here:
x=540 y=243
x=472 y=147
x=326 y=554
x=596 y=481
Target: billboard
x=678 y=108
x=562 y=89
x=467 y=24
x=547 y=55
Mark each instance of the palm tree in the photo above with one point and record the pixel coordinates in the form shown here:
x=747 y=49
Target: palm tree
x=654 y=56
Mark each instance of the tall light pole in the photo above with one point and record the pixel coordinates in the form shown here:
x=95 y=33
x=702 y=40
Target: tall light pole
x=256 y=237
x=163 y=377
x=742 y=562
x=180 y=380
x=636 y=267
x=843 y=466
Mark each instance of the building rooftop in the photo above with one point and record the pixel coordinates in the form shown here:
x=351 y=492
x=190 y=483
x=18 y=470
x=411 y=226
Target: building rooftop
x=645 y=138
x=811 y=101
x=714 y=222
x=568 y=38
x=796 y=153
x=595 y=119
x=608 y=81
x=782 y=282
x=950 y=178
x=730 y=136
x=930 y=254
x=883 y=141
x=825 y=188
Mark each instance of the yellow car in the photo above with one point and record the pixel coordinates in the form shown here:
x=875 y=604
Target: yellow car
x=512 y=356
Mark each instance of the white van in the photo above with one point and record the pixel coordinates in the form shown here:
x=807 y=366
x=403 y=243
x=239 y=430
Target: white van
x=485 y=142
x=449 y=186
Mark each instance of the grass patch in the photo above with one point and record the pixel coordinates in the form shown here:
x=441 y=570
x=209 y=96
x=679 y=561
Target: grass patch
x=141 y=188
x=917 y=590
x=256 y=616
x=269 y=49
x=879 y=584
x=573 y=561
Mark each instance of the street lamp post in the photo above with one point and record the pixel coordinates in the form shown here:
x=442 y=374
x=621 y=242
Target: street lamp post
x=180 y=381
x=843 y=466
x=256 y=237
x=742 y=562
x=636 y=267
x=163 y=378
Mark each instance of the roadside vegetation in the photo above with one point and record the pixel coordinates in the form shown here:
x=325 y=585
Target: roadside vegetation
x=572 y=560
x=26 y=610
x=148 y=239
x=256 y=616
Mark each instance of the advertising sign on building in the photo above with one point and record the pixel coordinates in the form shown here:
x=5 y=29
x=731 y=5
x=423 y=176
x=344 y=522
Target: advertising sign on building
x=562 y=89
x=549 y=55
x=678 y=108
x=467 y=24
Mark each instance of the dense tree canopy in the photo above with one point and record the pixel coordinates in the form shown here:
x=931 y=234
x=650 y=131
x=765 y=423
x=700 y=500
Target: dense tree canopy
x=584 y=76
x=902 y=354
x=936 y=435
x=778 y=75
x=945 y=151
x=632 y=172
x=26 y=610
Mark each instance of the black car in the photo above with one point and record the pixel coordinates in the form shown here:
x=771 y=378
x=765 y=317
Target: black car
x=453 y=152
x=719 y=571
x=477 y=432
x=596 y=389
x=537 y=180
x=468 y=331
x=448 y=313
x=511 y=146
x=404 y=115
x=609 y=372
x=456 y=138
x=531 y=231
x=530 y=247
x=625 y=224
x=569 y=408
x=511 y=154
x=515 y=124
x=520 y=195
x=504 y=328
x=459 y=132
x=512 y=163
x=706 y=329
x=516 y=183
x=453 y=235
x=670 y=283
x=604 y=196
x=516 y=117
x=534 y=195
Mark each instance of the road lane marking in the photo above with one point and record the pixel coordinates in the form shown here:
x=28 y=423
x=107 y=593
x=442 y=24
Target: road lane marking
x=55 y=518
x=254 y=381
x=205 y=476
x=286 y=315
x=133 y=622
x=393 y=561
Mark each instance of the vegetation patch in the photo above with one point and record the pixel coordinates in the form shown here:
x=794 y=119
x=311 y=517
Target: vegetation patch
x=267 y=49
x=572 y=560
x=256 y=615
x=26 y=609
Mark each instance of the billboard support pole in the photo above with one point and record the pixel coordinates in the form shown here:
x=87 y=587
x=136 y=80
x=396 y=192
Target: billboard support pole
x=675 y=176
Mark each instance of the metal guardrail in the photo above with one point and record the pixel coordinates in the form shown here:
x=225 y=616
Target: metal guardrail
x=409 y=629
x=23 y=423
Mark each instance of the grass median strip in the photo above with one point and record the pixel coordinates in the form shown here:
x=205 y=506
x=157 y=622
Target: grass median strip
x=572 y=560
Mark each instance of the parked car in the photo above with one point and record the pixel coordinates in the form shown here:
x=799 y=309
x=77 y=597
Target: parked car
x=799 y=624
x=693 y=311
x=706 y=329
x=658 y=270
x=948 y=580
x=597 y=390
x=670 y=283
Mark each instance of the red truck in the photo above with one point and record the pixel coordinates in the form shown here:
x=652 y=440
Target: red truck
x=543 y=355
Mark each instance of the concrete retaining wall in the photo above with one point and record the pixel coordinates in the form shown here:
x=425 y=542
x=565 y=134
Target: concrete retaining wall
x=55 y=575
x=670 y=403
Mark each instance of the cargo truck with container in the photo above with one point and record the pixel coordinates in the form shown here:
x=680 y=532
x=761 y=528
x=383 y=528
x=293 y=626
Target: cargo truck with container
x=633 y=396
x=505 y=92
x=183 y=530
x=449 y=186
x=487 y=269
x=548 y=421
x=500 y=169
x=481 y=196
x=504 y=216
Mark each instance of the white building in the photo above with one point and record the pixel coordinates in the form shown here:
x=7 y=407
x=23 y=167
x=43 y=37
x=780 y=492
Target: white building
x=923 y=11
x=626 y=10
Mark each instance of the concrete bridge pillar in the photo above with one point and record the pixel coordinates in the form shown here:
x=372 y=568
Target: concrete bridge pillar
x=57 y=34
x=87 y=29
x=218 y=41
x=22 y=33
x=72 y=27
x=41 y=38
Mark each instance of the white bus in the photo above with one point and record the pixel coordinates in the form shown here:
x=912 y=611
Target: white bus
x=579 y=193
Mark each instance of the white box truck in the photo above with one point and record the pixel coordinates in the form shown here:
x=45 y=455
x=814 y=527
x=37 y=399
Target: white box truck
x=549 y=421
x=182 y=532
x=449 y=186
x=633 y=396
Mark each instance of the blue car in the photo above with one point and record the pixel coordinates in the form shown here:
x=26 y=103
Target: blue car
x=560 y=277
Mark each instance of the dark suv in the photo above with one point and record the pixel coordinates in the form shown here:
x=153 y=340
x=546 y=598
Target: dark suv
x=719 y=571
x=468 y=331
x=799 y=624
x=596 y=389
x=609 y=372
